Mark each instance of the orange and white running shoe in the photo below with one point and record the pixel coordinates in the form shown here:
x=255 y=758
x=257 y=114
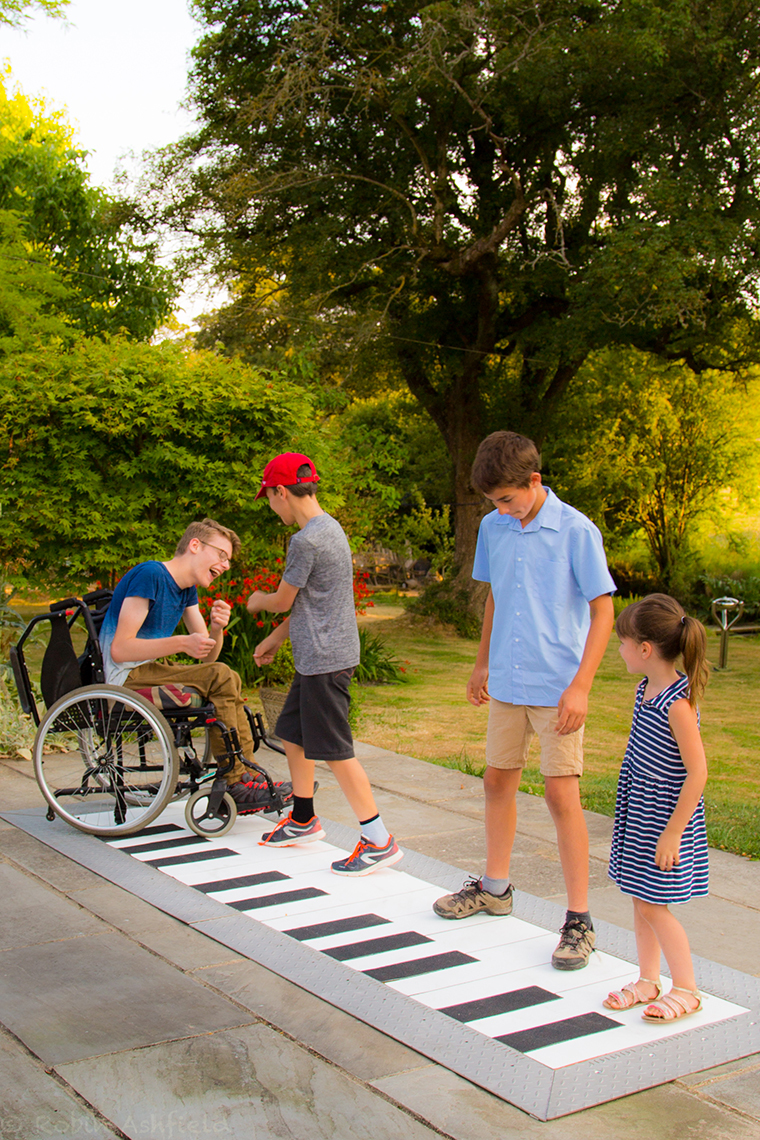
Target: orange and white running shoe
x=288 y=832
x=366 y=858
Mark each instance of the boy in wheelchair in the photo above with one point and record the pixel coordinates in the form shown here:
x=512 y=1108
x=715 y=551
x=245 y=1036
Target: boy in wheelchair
x=139 y=627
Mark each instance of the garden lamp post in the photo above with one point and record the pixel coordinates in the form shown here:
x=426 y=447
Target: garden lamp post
x=721 y=608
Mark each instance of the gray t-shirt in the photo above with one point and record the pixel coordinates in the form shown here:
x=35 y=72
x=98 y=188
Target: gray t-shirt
x=323 y=619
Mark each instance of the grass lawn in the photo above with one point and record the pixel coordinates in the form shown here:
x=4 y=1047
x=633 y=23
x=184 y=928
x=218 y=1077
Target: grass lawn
x=428 y=717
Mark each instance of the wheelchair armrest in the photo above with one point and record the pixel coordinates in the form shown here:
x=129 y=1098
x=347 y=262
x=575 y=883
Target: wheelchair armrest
x=23 y=684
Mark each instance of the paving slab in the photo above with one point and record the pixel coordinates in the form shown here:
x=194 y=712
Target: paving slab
x=77 y=998
x=713 y=925
x=735 y=1086
x=35 y=1106
x=251 y=1083
x=330 y=1032
x=160 y=933
x=44 y=862
x=460 y=1110
x=30 y=914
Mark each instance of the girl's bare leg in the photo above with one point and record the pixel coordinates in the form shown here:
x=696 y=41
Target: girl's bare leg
x=648 y=949
x=671 y=936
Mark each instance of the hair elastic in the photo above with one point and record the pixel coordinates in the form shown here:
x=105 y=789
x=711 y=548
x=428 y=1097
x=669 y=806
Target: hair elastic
x=683 y=620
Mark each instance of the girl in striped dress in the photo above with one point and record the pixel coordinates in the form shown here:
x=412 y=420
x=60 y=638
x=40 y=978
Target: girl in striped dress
x=659 y=842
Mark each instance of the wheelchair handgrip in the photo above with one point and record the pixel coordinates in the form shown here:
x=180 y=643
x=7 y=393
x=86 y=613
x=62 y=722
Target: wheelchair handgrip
x=97 y=596
x=66 y=604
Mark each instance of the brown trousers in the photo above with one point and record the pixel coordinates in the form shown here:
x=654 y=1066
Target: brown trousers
x=216 y=683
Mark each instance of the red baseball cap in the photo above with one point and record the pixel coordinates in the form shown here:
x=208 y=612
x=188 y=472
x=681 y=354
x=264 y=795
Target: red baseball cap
x=282 y=471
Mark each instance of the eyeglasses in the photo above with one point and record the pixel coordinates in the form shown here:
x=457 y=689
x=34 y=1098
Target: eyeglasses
x=223 y=556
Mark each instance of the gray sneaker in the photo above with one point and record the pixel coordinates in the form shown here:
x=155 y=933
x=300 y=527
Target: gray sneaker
x=575 y=946
x=471 y=899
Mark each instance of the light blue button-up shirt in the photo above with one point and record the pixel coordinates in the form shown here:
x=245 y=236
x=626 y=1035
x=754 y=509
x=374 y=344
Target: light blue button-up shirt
x=543 y=577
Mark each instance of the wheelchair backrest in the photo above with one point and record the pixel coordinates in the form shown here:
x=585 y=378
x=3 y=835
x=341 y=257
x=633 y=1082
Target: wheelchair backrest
x=62 y=671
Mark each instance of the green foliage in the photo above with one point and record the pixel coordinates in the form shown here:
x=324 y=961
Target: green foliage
x=245 y=630
x=355 y=707
x=16 y=728
x=619 y=603
x=17 y=731
x=461 y=762
x=469 y=198
x=377 y=664
x=12 y=625
x=421 y=530
x=109 y=449
x=13 y=12
x=282 y=671
x=70 y=255
x=654 y=447
x=450 y=603
x=367 y=464
x=31 y=291
x=243 y=634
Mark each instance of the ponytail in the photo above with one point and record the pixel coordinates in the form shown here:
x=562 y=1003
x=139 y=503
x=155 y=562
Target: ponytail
x=662 y=620
x=694 y=653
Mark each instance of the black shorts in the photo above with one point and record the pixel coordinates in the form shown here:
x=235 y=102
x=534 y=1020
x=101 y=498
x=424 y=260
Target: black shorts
x=315 y=716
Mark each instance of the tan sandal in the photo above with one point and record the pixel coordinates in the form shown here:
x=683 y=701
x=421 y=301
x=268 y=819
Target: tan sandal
x=672 y=1007
x=629 y=996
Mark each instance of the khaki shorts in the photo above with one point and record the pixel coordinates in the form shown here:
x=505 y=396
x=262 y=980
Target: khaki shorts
x=511 y=729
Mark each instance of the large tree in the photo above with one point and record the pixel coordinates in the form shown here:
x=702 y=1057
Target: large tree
x=70 y=254
x=651 y=448
x=481 y=193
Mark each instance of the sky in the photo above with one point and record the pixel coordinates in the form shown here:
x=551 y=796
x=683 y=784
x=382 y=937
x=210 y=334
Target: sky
x=119 y=71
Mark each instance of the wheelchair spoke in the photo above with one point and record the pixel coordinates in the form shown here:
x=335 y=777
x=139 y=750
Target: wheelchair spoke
x=105 y=760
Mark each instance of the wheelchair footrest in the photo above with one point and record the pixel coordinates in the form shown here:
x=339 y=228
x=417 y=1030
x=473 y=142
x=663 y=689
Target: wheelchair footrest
x=261 y=795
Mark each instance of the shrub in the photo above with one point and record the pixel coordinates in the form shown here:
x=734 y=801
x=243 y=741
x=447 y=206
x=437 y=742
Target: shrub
x=619 y=604
x=377 y=664
x=245 y=630
x=17 y=730
x=450 y=604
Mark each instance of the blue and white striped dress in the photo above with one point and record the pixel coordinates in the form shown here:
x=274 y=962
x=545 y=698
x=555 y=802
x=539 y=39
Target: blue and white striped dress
x=650 y=782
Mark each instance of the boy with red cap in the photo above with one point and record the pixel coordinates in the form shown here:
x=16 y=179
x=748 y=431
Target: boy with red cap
x=317 y=587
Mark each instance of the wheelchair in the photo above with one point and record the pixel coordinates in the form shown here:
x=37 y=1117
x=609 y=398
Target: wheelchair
x=107 y=760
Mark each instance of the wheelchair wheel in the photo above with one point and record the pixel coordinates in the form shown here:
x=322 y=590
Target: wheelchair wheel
x=199 y=820
x=105 y=760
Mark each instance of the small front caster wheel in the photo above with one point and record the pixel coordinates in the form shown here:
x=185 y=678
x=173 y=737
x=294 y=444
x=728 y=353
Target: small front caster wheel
x=210 y=824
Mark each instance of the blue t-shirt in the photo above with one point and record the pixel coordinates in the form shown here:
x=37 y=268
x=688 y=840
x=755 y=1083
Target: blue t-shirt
x=166 y=604
x=542 y=576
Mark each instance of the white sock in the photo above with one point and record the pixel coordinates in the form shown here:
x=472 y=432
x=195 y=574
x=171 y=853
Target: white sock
x=375 y=831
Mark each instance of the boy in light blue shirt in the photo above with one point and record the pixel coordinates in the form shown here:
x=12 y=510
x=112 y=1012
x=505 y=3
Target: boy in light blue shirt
x=547 y=621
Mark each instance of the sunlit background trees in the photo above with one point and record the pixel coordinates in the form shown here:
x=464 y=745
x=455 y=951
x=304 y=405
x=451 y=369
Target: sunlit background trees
x=432 y=221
